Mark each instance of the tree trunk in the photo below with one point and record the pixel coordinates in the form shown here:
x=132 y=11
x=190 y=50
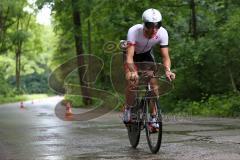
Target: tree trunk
x=18 y=65
x=89 y=38
x=17 y=52
x=3 y=28
x=193 y=19
x=79 y=49
x=233 y=84
x=17 y=71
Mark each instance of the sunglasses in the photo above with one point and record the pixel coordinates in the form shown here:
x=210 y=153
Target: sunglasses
x=150 y=25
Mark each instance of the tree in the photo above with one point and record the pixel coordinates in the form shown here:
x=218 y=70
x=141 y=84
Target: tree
x=79 y=48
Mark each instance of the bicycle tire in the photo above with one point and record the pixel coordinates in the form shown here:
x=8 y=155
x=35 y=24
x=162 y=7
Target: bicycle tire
x=134 y=129
x=153 y=147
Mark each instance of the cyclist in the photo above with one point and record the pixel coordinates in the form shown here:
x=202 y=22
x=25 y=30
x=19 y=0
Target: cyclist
x=140 y=40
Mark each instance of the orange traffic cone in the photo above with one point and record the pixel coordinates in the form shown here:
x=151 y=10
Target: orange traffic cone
x=21 y=105
x=68 y=109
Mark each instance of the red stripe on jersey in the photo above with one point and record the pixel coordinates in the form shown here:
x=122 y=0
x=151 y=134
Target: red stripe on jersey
x=131 y=44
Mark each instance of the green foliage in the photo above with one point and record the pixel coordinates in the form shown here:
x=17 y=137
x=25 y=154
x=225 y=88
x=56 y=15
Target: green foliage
x=5 y=88
x=20 y=32
x=216 y=105
x=33 y=83
x=76 y=101
x=207 y=67
x=17 y=98
x=19 y=36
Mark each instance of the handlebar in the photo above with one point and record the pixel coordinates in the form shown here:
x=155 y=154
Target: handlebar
x=148 y=77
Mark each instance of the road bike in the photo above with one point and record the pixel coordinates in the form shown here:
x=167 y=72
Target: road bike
x=140 y=116
x=140 y=113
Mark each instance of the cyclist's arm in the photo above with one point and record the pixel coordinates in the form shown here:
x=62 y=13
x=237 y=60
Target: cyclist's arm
x=165 y=58
x=131 y=42
x=167 y=63
x=129 y=59
x=164 y=49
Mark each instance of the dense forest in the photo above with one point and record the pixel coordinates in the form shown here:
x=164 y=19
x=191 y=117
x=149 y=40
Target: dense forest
x=203 y=42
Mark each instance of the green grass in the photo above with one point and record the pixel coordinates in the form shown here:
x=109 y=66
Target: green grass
x=77 y=102
x=24 y=97
x=227 y=105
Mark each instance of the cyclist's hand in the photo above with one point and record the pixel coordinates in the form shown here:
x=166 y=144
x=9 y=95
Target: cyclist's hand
x=170 y=75
x=132 y=76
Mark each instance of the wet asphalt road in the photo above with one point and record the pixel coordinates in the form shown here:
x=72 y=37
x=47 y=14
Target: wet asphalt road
x=35 y=133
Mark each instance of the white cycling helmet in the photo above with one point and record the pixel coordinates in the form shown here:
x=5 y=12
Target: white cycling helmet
x=151 y=15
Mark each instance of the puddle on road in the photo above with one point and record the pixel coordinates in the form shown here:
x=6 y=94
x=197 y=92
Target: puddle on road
x=45 y=115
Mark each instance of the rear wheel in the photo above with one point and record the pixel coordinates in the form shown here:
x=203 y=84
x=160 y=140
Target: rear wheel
x=153 y=134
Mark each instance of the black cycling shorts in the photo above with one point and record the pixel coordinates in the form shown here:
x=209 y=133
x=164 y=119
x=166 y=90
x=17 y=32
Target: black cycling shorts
x=143 y=57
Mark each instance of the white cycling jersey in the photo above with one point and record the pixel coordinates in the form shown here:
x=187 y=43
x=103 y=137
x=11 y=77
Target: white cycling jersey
x=142 y=44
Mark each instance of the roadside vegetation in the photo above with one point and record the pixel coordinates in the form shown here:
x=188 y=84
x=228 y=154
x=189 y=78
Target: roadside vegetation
x=204 y=47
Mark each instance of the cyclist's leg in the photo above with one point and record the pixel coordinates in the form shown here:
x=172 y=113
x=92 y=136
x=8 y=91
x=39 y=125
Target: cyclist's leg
x=131 y=93
x=131 y=88
x=155 y=93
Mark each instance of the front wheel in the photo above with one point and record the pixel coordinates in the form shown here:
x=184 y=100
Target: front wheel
x=153 y=134
x=134 y=129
